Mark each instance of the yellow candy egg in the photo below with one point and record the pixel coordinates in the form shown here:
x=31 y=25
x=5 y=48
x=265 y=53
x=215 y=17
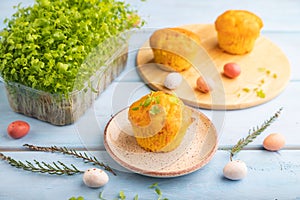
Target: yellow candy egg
x=274 y=142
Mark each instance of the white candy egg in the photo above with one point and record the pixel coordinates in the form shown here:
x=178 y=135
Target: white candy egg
x=235 y=170
x=173 y=80
x=95 y=178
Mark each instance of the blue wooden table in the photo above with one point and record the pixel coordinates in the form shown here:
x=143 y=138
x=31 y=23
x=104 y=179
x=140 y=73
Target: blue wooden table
x=271 y=175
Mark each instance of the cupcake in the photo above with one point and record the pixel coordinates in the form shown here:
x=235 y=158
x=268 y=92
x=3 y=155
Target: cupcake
x=159 y=121
x=174 y=49
x=238 y=31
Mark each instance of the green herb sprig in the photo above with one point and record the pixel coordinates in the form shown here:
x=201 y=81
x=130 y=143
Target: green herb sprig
x=253 y=133
x=71 y=152
x=57 y=168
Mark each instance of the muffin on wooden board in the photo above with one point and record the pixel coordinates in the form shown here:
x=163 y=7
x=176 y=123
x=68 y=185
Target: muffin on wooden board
x=238 y=31
x=174 y=48
x=159 y=121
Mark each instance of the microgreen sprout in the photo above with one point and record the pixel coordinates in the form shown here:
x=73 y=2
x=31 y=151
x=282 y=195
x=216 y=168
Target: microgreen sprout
x=53 y=45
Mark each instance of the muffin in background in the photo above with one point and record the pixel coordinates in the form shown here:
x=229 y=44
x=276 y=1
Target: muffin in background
x=174 y=48
x=159 y=121
x=238 y=31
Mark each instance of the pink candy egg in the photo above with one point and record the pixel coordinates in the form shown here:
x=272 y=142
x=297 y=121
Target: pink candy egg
x=232 y=70
x=274 y=142
x=204 y=86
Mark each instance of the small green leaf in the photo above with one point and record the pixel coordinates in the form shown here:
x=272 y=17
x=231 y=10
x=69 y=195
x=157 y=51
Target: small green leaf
x=246 y=90
x=147 y=102
x=153 y=185
x=78 y=198
x=135 y=108
x=261 y=69
x=100 y=196
x=157 y=99
x=260 y=93
x=122 y=195
x=157 y=190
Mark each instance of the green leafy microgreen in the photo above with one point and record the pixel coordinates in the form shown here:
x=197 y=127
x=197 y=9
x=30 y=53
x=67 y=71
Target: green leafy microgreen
x=261 y=69
x=157 y=99
x=52 y=45
x=157 y=191
x=260 y=93
x=147 y=102
x=149 y=99
x=246 y=90
x=135 y=108
x=78 y=198
x=122 y=195
x=154 y=185
x=174 y=99
x=101 y=196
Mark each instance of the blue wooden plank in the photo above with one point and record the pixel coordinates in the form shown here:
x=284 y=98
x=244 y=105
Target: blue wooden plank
x=271 y=175
x=288 y=43
x=174 y=13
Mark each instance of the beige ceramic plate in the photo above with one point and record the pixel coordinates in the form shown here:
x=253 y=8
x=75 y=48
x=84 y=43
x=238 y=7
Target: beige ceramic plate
x=196 y=149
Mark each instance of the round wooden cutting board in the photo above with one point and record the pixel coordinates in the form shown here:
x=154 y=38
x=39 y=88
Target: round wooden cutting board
x=265 y=73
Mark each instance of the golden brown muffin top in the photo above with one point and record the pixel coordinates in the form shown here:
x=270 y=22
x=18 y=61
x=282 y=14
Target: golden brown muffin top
x=177 y=41
x=239 y=21
x=187 y=33
x=139 y=111
x=173 y=38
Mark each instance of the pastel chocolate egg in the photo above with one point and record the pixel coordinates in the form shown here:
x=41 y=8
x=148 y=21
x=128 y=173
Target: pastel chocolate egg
x=232 y=70
x=173 y=80
x=205 y=85
x=274 y=142
x=235 y=170
x=18 y=129
x=95 y=178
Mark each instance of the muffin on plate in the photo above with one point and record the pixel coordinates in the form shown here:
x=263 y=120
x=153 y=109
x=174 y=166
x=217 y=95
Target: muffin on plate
x=159 y=121
x=174 y=49
x=238 y=31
